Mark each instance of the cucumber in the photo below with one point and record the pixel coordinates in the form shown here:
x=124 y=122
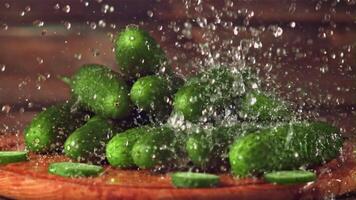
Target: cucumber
x=87 y=143
x=290 y=177
x=69 y=169
x=208 y=149
x=156 y=148
x=100 y=90
x=49 y=129
x=284 y=147
x=190 y=102
x=256 y=105
x=194 y=180
x=153 y=94
x=118 y=150
x=7 y=157
x=138 y=54
x=209 y=92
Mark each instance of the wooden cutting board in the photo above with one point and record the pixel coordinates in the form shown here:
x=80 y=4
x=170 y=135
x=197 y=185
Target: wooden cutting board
x=30 y=180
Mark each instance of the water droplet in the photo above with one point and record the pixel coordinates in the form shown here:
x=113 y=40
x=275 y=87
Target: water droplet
x=39 y=60
x=105 y=8
x=6 y=108
x=150 y=13
x=67 y=25
x=78 y=56
x=292 y=24
x=92 y=25
x=277 y=31
x=4 y=26
x=102 y=23
x=66 y=8
x=38 y=23
x=27 y=8
x=57 y=6
x=7 y=5
x=3 y=68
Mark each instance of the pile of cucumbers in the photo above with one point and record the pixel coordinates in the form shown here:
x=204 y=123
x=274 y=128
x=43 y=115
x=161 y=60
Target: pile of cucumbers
x=122 y=119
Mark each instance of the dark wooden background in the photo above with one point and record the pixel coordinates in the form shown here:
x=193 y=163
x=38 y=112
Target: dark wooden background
x=313 y=61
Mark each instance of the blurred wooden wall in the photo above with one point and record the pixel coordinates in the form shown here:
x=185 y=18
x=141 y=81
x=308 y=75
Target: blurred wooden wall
x=313 y=61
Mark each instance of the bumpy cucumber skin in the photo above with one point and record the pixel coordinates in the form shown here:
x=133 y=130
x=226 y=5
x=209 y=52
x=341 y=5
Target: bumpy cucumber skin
x=137 y=53
x=210 y=150
x=189 y=102
x=87 y=143
x=258 y=106
x=50 y=128
x=152 y=94
x=101 y=91
x=155 y=148
x=287 y=146
x=216 y=88
x=118 y=150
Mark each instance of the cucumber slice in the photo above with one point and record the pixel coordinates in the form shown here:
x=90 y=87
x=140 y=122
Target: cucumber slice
x=194 y=180
x=7 y=157
x=69 y=169
x=290 y=177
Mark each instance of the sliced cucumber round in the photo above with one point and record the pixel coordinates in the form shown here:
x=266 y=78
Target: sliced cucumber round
x=69 y=169
x=290 y=177
x=194 y=180
x=7 y=157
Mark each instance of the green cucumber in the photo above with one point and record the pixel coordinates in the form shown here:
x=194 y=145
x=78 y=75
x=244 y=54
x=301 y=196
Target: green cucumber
x=50 y=128
x=208 y=93
x=194 y=180
x=69 y=169
x=284 y=147
x=290 y=177
x=155 y=149
x=208 y=149
x=7 y=157
x=138 y=54
x=100 y=90
x=256 y=105
x=153 y=94
x=87 y=143
x=118 y=150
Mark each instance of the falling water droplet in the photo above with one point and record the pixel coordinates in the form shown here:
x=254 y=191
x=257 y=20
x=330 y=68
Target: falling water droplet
x=3 y=68
x=92 y=25
x=38 y=23
x=78 y=56
x=102 y=23
x=150 y=13
x=67 y=25
x=4 y=27
x=66 y=8
x=39 y=60
x=56 y=7
x=6 y=108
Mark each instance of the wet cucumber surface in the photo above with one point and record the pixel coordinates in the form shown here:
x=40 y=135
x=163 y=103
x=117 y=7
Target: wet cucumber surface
x=101 y=90
x=7 y=157
x=50 y=128
x=87 y=143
